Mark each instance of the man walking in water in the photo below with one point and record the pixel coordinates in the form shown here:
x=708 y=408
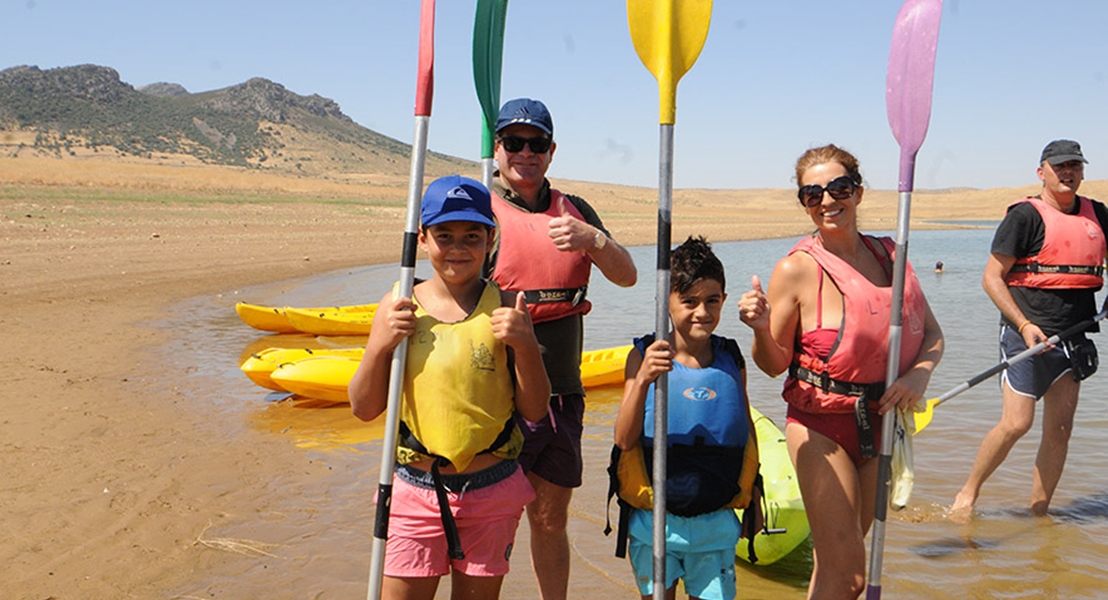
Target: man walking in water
x=1045 y=266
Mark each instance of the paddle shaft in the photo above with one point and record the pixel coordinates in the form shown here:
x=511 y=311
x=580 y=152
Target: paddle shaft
x=668 y=36
x=424 y=87
x=396 y=371
x=892 y=372
x=661 y=328
x=908 y=102
x=1022 y=356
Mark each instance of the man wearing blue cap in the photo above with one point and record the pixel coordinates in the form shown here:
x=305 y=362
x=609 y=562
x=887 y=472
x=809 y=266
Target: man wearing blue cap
x=548 y=242
x=1046 y=264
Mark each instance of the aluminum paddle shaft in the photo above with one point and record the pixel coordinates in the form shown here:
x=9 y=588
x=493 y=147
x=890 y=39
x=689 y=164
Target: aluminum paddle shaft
x=908 y=86
x=668 y=36
x=424 y=91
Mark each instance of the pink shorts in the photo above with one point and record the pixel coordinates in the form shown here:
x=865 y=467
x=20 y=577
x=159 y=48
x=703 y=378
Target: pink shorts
x=487 y=519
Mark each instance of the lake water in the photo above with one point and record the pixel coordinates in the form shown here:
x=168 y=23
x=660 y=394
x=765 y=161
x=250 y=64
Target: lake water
x=1001 y=553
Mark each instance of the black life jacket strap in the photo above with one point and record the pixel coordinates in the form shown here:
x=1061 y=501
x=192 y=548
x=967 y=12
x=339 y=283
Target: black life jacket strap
x=449 y=526
x=574 y=296
x=863 y=391
x=1041 y=268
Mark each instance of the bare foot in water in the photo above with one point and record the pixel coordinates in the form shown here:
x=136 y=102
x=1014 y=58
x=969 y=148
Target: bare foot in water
x=962 y=509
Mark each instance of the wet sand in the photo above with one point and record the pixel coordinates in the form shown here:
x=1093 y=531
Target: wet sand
x=115 y=485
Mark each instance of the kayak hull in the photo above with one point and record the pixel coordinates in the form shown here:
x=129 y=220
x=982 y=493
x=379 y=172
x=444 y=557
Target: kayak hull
x=322 y=377
x=785 y=506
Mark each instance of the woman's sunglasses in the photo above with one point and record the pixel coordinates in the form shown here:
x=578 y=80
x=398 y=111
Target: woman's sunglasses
x=513 y=143
x=839 y=188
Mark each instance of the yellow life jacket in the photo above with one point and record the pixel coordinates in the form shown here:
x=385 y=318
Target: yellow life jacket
x=458 y=389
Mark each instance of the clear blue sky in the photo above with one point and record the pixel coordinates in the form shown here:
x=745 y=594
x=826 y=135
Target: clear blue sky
x=773 y=79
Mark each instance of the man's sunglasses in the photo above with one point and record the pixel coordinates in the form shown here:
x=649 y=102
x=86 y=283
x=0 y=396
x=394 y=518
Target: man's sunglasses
x=513 y=143
x=839 y=188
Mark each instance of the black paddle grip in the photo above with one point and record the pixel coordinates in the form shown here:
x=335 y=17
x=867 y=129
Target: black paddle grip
x=384 y=504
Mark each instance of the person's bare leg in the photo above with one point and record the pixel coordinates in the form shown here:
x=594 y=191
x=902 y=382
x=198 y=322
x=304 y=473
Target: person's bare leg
x=548 y=515
x=832 y=492
x=466 y=587
x=409 y=588
x=1015 y=421
x=1059 y=406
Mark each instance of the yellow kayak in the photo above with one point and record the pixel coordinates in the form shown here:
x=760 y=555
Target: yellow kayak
x=265 y=318
x=604 y=367
x=353 y=319
x=270 y=369
x=260 y=366
x=323 y=377
x=340 y=320
x=786 y=508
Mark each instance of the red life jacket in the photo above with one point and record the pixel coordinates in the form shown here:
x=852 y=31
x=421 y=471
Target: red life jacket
x=859 y=357
x=553 y=281
x=1073 y=250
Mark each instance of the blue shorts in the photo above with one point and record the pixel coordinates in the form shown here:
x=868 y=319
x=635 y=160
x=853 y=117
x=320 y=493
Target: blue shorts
x=552 y=447
x=700 y=551
x=1034 y=376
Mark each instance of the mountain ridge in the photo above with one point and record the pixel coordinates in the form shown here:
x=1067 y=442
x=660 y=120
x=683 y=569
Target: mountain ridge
x=259 y=124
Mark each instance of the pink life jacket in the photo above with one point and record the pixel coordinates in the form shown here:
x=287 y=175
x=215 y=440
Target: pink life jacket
x=860 y=354
x=554 y=282
x=1073 y=251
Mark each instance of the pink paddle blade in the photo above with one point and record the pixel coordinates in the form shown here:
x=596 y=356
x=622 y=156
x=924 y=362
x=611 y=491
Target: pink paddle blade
x=910 y=78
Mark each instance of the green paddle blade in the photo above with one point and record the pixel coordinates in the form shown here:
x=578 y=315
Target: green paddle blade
x=668 y=37
x=488 y=57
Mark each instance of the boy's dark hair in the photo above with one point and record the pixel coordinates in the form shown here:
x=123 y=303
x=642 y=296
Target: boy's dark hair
x=693 y=261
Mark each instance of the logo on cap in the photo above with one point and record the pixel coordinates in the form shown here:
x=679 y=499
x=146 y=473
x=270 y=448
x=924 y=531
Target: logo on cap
x=525 y=111
x=456 y=198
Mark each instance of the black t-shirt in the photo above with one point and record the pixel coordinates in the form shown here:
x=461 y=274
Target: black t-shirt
x=1021 y=234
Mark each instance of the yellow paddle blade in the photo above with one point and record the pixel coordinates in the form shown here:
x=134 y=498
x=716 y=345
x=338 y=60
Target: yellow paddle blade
x=668 y=36
x=923 y=419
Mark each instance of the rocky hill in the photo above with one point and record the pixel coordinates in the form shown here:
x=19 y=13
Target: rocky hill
x=87 y=109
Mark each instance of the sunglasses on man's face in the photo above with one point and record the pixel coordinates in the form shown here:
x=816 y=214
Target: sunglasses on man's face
x=514 y=143
x=839 y=188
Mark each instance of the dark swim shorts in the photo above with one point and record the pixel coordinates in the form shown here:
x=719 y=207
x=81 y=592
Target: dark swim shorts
x=1034 y=376
x=552 y=449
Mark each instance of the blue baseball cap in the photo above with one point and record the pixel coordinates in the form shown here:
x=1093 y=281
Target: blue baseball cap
x=525 y=111
x=456 y=198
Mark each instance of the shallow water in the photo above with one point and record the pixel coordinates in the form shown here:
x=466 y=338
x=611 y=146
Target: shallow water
x=1001 y=553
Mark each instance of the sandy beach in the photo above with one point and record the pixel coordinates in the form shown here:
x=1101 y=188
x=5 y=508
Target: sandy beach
x=112 y=478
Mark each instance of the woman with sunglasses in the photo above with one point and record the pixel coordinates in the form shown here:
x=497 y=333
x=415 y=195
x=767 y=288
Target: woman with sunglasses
x=825 y=321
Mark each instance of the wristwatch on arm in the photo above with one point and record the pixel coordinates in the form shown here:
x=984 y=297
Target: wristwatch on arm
x=599 y=241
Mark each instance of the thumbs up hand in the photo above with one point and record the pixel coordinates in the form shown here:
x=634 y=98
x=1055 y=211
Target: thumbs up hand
x=569 y=233
x=512 y=324
x=754 y=306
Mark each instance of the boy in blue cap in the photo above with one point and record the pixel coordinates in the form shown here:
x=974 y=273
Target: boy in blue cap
x=473 y=360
